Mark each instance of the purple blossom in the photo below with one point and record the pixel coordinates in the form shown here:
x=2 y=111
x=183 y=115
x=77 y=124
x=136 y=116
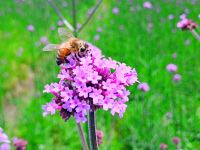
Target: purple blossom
x=163 y=146
x=94 y=82
x=171 y=16
x=30 y=28
x=176 y=140
x=100 y=136
x=19 y=144
x=187 y=24
x=177 y=77
x=4 y=141
x=99 y=29
x=143 y=87
x=60 y=23
x=174 y=55
x=115 y=10
x=171 y=67
x=147 y=5
x=96 y=37
x=44 y=40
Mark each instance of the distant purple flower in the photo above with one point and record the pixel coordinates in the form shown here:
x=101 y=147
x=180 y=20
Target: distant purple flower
x=147 y=5
x=186 y=24
x=115 y=10
x=60 y=23
x=44 y=40
x=19 y=144
x=170 y=17
x=99 y=29
x=176 y=140
x=90 y=11
x=30 y=28
x=171 y=68
x=183 y=16
x=52 y=27
x=144 y=87
x=177 y=77
x=94 y=82
x=78 y=26
x=163 y=146
x=96 y=37
x=4 y=141
x=187 y=42
x=100 y=136
x=174 y=55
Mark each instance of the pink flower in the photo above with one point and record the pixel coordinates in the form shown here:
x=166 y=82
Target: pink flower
x=96 y=37
x=147 y=5
x=20 y=144
x=176 y=140
x=4 y=141
x=171 y=67
x=174 y=55
x=30 y=28
x=177 y=77
x=93 y=82
x=100 y=136
x=143 y=87
x=115 y=10
x=186 y=24
x=163 y=146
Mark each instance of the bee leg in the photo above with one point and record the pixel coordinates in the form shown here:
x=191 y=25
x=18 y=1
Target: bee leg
x=66 y=60
x=59 y=62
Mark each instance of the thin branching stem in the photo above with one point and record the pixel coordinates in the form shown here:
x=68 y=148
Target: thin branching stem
x=81 y=133
x=74 y=17
x=90 y=16
x=196 y=35
x=60 y=15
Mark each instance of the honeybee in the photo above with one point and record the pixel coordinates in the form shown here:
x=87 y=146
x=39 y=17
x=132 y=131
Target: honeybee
x=71 y=45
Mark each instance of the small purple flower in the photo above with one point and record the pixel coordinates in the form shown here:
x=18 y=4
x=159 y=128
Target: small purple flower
x=177 y=77
x=171 y=67
x=19 y=144
x=96 y=37
x=147 y=5
x=60 y=23
x=49 y=108
x=4 y=141
x=143 y=87
x=78 y=26
x=52 y=27
x=176 y=140
x=99 y=29
x=163 y=146
x=186 y=24
x=30 y=28
x=171 y=16
x=100 y=136
x=174 y=55
x=44 y=40
x=115 y=10
x=90 y=11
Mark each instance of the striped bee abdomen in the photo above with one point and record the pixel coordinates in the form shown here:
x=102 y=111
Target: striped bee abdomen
x=62 y=53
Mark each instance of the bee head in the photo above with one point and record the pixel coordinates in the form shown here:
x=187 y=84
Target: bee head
x=82 y=47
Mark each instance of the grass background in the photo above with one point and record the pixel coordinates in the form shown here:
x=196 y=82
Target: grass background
x=169 y=109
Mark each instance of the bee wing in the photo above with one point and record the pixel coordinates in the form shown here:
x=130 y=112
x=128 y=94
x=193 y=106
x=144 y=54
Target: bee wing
x=51 y=47
x=64 y=33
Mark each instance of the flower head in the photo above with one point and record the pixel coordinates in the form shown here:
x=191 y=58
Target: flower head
x=187 y=24
x=100 y=136
x=163 y=146
x=94 y=82
x=19 y=144
x=115 y=10
x=4 y=141
x=176 y=140
x=177 y=77
x=30 y=28
x=171 y=67
x=147 y=5
x=143 y=87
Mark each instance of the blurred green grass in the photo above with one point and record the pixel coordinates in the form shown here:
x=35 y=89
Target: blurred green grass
x=125 y=38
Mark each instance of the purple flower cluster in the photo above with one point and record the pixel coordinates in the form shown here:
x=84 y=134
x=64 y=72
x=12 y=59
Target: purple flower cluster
x=144 y=87
x=19 y=144
x=4 y=141
x=93 y=82
x=187 y=24
x=173 y=68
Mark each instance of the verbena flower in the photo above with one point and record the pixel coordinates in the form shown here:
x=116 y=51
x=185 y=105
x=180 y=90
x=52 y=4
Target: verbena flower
x=30 y=28
x=4 y=141
x=94 y=82
x=187 y=24
x=19 y=144
x=163 y=146
x=176 y=140
x=144 y=87
x=147 y=5
x=115 y=10
x=171 y=67
x=177 y=77
x=100 y=136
